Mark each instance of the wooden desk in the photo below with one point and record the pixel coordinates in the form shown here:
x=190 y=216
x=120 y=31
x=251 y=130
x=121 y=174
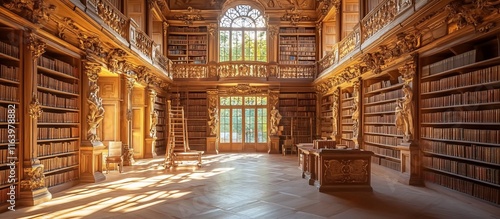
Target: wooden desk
x=343 y=170
x=307 y=161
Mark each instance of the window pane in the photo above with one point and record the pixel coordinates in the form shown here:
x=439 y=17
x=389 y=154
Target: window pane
x=224 y=126
x=249 y=125
x=261 y=46
x=225 y=101
x=237 y=133
x=261 y=100
x=236 y=45
x=236 y=101
x=224 y=46
x=262 y=125
x=250 y=45
x=249 y=100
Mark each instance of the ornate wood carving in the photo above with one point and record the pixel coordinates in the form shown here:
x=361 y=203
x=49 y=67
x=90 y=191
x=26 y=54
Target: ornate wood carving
x=272 y=30
x=36 y=46
x=356 y=113
x=244 y=89
x=116 y=61
x=189 y=71
x=112 y=17
x=275 y=121
x=65 y=24
x=91 y=44
x=154 y=114
x=190 y=16
x=96 y=110
x=294 y=16
x=466 y=12
x=346 y=171
x=213 y=112
x=35 y=109
x=405 y=110
x=211 y=29
x=350 y=42
x=346 y=75
x=35 y=178
x=335 y=112
x=374 y=62
x=36 y=11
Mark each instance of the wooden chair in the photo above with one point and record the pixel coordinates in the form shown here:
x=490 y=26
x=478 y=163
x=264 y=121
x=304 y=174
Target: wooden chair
x=114 y=155
x=288 y=146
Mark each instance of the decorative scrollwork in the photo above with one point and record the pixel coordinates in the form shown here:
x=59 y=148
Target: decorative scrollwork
x=36 y=11
x=244 y=89
x=35 y=178
x=35 y=109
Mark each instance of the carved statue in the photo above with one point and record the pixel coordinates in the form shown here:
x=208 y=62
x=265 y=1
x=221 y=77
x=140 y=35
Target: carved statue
x=96 y=113
x=335 y=113
x=355 y=115
x=154 y=122
x=275 y=120
x=213 y=114
x=404 y=113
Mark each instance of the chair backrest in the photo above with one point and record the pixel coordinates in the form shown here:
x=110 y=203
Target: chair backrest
x=115 y=148
x=288 y=142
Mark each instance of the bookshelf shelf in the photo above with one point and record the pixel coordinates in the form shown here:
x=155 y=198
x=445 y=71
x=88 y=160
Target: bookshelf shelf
x=297 y=46
x=459 y=122
x=160 y=106
x=298 y=110
x=187 y=45
x=3 y=80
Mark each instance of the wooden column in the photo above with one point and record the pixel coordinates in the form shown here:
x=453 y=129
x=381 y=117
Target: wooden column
x=356 y=115
x=91 y=150
x=149 y=141
x=213 y=121
x=33 y=189
x=128 y=150
x=272 y=39
x=336 y=115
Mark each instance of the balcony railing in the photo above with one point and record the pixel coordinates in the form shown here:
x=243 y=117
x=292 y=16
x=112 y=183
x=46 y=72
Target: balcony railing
x=232 y=70
x=297 y=71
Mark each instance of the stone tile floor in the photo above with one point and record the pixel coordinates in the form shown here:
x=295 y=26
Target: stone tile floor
x=248 y=185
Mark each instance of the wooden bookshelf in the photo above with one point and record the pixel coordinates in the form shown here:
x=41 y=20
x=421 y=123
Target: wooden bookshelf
x=297 y=45
x=326 y=114
x=187 y=45
x=10 y=115
x=298 y=111
x=160 y=106
x=196 y=114
x=380 y=134
x=460 y=122
x=58 y=91
x=346 y=122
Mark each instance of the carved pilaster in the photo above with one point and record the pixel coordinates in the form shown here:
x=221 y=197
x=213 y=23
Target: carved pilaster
x=356 y=113
x=96 y=110
x=128 y=150
x=405 y=110
x=35 y=110
x=275 y=114
x=211 y=29
x=36 y=46
x=165 y=28
x=153 y=114
x=272 y=30
x=213 y=112
x=335 y=113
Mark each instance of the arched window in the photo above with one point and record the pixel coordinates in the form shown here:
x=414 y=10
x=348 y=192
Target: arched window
x=242 y=35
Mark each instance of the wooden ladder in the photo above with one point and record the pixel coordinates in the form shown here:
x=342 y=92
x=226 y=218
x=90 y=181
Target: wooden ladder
x=178 y=143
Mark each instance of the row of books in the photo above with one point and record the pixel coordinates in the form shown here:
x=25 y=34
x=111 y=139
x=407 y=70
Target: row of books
x=178 y=47
x=192 y=114
x=487 y=75
x=160 y=142
x=388 y=107
x=465 y=98
x=306 y=108
x=9 y=72
x=187 y=29
x=385 y=129
x=196 y=127
x=49 y=82
x=199 y=95
x=479 y=116
x=68 y=117
x=299 y=96
x=347 y=120
x=347 y=103
x=197 y=53
x=383 y=151
x=304 y=48
x=9 y=49
x=382 y=84
x=488 y=154
x=50 y=148
x=198 y=102
x=5 y=153
x=347 y=112
x=385 y=96
x=4 y=112
x=9 y=93
x=60 y=178
x=349 y=144
x=297 y=30
x=160 y=99
x=488 y=193
x=197 y=135
x=58 y=133
x=462 y=134
x=347 y=135
x=381 y=119
x=450 y=63
x=485 y=174
x=4 y=132
x=57 y=65
x=385 y=140
x=391 y=164
x=327 y=99
x=161 y=113
x=196 y=108
x=326 y=114
x=55 y=163
x=4 y=176
x=52 y=100
x=159 y=106
x=347 y=128
x=177 y=52
x=346 y=95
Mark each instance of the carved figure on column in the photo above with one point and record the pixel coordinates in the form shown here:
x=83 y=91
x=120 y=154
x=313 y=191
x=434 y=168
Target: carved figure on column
x=213 y=112
x=35 y=178
x=96 y=113
x=335 y=113
x=355 y=114
x=154 y=122
x=275 y=120
x=405 y=108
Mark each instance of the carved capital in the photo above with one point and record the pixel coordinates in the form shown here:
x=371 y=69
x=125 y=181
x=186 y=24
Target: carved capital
x=272 y=30
x=165 y=28
x=130 y=81
x=35 y=109
x=92 y=71
x=211 y=29
x=34 y=178
x=90 y=44
x=116 y=61
x=374 y=62
x=36 y=46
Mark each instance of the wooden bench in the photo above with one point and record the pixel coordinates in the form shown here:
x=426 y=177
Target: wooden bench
x=187 y=156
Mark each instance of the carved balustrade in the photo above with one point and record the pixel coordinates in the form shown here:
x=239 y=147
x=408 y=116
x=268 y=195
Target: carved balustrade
x=350 y=42
x=141 y=41
x=111 y=16
x=190 y=71
x=231 y=70
x=297 y=71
